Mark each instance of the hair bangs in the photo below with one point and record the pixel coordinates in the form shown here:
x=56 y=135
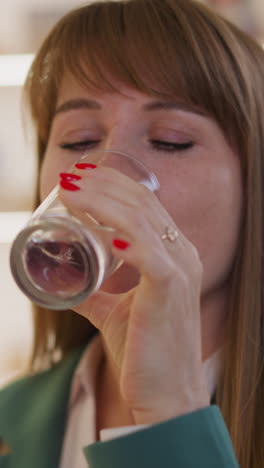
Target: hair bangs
x=146 y=45
x=115 y=47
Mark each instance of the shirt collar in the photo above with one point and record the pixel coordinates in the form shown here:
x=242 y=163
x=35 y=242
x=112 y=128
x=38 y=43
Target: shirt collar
x=84 y=378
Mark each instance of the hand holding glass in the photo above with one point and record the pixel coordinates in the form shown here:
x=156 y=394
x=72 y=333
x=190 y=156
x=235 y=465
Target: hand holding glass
x=57 y=260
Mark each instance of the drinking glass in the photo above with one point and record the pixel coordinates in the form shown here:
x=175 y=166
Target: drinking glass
x=57 y=260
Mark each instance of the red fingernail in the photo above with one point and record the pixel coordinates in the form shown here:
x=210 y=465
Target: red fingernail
x=68 y=186
x=120 y=244
x=85 y=166
x=67 y=176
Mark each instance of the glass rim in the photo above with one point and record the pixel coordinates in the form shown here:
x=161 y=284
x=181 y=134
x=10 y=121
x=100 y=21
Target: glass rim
x=153 y=177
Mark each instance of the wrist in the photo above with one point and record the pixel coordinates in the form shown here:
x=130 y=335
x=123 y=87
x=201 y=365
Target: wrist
x=159 y=413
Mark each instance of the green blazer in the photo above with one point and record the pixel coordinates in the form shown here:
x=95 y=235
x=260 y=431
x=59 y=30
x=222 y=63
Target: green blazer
x=33 y=417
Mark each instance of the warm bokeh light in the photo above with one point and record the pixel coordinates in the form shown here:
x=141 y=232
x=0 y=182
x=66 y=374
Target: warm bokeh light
x=11 y=223
x=14 y=69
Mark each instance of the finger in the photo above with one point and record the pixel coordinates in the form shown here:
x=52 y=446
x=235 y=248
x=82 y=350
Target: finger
x=106 y=202
x=117 y=182
x=150 y=258
x=140 y=222
x=115 y=185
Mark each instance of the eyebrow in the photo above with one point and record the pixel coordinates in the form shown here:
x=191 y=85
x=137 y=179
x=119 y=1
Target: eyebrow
x=75 y=104
x=172 y=105
x=81 y=103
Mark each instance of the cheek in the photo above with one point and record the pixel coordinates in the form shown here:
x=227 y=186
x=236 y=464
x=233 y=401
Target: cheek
x=206 y=206
x=49 y=176
x=47 y=182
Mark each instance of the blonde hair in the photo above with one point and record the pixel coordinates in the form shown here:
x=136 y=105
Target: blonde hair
x=175 y=48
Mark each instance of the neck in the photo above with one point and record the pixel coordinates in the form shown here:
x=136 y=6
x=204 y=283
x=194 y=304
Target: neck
x=111 y=410
x=214 y=313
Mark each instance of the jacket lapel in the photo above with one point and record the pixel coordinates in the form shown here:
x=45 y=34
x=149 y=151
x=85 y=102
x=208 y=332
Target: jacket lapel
x=33 y=415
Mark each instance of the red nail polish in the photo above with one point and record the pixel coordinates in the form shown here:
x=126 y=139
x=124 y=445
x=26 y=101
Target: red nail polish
x=85 y=166
x=69 y=177
x=68 y=186
x=120 y=244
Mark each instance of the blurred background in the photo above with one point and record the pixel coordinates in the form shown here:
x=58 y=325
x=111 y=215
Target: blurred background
x=23 y=26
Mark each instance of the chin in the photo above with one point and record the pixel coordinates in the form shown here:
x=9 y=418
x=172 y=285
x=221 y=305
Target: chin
x=124 y=279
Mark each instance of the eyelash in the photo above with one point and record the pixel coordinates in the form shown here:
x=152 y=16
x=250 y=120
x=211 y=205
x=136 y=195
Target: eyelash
x=170 y=147
x=158 y=145
x=80 y=145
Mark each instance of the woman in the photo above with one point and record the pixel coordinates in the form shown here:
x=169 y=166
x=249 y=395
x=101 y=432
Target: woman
x=181 y=322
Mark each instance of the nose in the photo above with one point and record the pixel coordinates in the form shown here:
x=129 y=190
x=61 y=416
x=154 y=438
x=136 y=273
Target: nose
x=131 y=164
x=121 y=138
x=126 y=136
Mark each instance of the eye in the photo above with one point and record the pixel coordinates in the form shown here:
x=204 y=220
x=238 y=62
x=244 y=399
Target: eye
x=170 y=147
x=80 y=145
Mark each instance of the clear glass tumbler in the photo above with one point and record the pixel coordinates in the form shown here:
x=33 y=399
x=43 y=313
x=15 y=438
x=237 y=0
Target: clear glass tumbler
x=57 y=260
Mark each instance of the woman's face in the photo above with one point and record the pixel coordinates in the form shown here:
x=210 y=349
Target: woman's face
x=199 y=173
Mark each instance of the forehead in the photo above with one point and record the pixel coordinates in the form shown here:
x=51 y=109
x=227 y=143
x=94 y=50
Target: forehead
x=72 y=87
x=75 y=95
